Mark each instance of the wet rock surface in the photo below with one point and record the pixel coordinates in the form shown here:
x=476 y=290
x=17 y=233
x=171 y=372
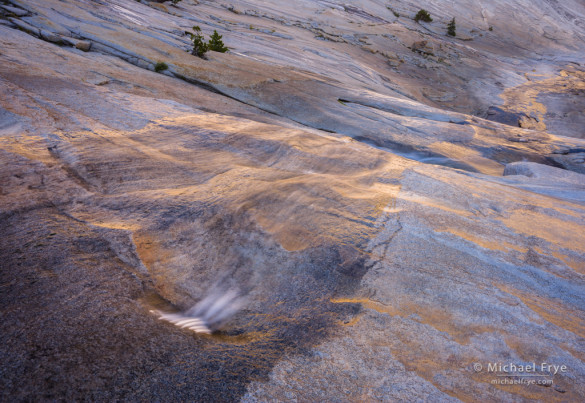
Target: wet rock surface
x=386 y=238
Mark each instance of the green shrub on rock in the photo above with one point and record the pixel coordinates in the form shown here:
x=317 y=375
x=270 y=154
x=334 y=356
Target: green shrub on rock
x=216 y=44
x=199 y=45
x=423 y=15
x=451 y=29
x=160 y=66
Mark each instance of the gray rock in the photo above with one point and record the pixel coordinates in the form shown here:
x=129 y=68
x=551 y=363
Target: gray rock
x=24 y=26
x=13 y=10
x=539 y=171
x=50 y=37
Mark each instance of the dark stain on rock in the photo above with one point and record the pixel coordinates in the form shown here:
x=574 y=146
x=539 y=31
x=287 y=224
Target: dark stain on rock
x=499 y=115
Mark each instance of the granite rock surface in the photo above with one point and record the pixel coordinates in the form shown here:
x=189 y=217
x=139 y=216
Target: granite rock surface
x=397 y=206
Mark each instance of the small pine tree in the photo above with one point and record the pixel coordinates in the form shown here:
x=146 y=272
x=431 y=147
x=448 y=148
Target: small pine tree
x=451 y=29
x=423 y=15
x=216 y=44
x=199 y=45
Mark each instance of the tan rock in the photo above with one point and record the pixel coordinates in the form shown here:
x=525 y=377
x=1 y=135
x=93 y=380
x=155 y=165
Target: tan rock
x=423 y=47
x=83 y=45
